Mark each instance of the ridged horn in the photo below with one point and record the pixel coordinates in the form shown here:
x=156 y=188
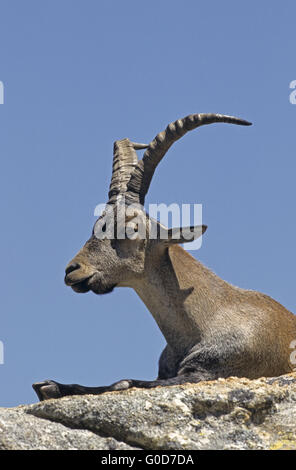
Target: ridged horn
x=138 y=185
x=125 y=161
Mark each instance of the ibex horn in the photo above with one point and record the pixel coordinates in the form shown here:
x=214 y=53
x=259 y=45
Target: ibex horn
x=138 y=185
x=124 y=162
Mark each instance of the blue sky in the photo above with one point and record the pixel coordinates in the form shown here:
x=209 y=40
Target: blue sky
x=78 y=75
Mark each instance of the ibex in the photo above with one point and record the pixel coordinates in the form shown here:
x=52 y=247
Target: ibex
x=212 y=328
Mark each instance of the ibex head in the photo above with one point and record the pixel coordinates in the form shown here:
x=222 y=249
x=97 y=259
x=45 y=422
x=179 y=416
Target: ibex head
x=121 y=246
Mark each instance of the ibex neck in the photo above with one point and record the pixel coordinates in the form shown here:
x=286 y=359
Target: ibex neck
x=182 y=295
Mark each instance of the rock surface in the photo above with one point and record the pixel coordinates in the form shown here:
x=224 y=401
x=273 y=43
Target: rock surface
x=233 y=413
x=22 y=431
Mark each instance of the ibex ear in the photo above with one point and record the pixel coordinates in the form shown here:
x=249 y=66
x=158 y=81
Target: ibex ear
x=184 y=234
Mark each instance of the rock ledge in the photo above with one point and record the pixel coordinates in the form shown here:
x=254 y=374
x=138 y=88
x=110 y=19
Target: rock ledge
x=233 y=413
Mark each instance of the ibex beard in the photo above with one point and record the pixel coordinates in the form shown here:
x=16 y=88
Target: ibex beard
x=93 y=281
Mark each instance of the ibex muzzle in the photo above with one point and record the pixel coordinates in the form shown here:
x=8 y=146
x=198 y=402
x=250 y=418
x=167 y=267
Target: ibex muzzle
x=212 y=329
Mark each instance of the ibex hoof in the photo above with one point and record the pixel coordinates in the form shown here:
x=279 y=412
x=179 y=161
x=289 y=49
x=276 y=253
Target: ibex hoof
x=47 y=390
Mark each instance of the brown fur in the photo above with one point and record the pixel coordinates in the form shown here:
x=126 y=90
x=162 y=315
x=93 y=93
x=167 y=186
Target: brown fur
x=212 y=329
x=247 y=333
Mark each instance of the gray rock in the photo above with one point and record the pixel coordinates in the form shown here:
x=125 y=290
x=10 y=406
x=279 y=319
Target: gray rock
x=233 y=413
x=22 y=431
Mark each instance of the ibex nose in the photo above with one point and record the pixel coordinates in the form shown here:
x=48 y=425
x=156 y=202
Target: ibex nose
x=72 y=267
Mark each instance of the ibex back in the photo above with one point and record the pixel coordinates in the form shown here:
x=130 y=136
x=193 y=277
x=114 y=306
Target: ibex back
x=212 y=328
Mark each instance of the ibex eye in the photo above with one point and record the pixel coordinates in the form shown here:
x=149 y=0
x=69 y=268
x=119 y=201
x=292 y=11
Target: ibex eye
x=99 y=228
